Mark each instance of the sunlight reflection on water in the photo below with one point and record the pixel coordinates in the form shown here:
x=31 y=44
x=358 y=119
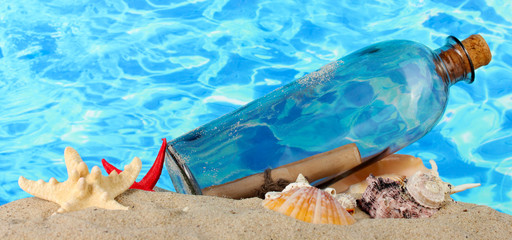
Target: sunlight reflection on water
x=111 y=78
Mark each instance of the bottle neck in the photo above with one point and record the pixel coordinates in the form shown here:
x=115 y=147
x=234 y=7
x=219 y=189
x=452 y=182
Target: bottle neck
x=454 y=63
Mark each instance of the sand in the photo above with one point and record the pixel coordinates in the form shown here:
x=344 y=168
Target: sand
x=166 y=215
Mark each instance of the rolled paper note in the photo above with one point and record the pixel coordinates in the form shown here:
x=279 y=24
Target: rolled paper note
x=313 y=168
x=390 y=166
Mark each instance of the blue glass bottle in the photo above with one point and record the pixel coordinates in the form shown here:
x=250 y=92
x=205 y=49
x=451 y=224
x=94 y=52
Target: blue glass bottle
x=382 y=97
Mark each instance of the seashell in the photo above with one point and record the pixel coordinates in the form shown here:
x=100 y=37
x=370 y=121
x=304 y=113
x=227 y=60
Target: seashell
x=427 y=188
x=394 y=166
x=361 y=186
x=421 y=195
x=387 y=198
x=309 y=204
x=347 y=201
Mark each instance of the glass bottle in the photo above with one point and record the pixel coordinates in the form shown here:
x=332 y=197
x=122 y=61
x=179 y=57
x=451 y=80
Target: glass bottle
x=382 y=98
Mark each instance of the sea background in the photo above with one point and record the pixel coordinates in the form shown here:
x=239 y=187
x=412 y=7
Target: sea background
x=111 y=78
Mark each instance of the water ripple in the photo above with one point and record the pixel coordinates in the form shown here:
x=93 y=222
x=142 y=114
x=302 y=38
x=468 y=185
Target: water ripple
x=112 y=77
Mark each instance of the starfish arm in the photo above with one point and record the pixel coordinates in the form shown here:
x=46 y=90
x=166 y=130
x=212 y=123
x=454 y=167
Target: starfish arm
x=109 y=167
x=95 y=173
x=91 y=201
x=74 y=162
x=40 y=189
x=136 y=185
x=113 y=170
x=70 y=205
x=112 y=205
x=116 y=184
x=149 y=181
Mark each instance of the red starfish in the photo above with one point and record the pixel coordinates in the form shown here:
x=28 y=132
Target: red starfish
x=148 y=182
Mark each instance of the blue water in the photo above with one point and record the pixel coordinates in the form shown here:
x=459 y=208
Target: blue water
x=110 y=78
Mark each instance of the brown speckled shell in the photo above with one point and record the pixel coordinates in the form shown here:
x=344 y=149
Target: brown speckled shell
x=388 y=198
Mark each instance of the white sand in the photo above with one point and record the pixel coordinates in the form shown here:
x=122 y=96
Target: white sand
x=165 y=215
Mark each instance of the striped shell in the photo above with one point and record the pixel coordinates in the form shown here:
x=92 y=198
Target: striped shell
x=347 y=201
x=309 y=204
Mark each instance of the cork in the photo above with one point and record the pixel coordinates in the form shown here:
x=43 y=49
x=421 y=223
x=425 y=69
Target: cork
x=478 y=50
x=458 y=65
x=316 y=167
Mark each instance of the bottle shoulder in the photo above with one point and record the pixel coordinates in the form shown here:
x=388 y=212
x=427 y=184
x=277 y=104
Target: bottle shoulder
x=393 y=49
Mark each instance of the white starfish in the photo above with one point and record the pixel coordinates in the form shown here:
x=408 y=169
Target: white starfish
x=84 y=189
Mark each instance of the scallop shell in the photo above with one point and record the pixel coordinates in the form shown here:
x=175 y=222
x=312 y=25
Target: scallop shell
x=309 y=204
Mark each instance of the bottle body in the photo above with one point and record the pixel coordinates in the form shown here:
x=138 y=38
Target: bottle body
x=382 y=97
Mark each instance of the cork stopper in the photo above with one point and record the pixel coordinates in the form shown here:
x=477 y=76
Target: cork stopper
x=461 y=59
x=478 y=50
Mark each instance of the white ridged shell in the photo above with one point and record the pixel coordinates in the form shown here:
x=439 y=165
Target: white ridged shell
x=347 y=201
x=427 y=188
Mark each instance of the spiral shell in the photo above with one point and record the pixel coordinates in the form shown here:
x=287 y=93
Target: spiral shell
x=308 y=204
x=347 y=201
x=427 y=188
x=421 y=195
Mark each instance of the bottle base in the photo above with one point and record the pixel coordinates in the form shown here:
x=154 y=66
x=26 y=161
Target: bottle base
x=181 y=176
